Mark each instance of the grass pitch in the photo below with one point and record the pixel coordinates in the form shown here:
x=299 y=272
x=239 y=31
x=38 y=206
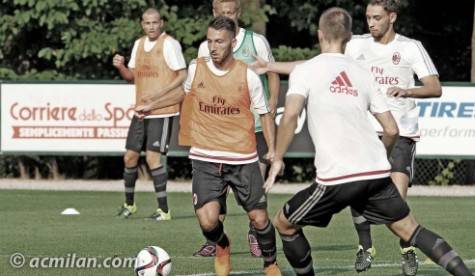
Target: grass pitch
x=31 y=224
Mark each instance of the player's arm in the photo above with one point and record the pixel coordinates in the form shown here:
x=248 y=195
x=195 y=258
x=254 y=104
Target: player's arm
x=268 y=129
x=294 y=104
x=119 y=62
x=422 y=65
x=169 y=99
x=274 y=89
x=390 y=130
x=177 y=82
x=256 y=93
x=264 y=51
x=260 y=66
x=430 y=88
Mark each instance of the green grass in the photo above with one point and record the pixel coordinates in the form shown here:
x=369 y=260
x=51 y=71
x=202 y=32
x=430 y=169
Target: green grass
x=30 y=223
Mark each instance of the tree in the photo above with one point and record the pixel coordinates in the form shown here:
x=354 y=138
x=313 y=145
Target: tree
x=51 y=39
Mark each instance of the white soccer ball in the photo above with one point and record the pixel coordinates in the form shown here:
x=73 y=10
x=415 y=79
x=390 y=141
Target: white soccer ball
x=153 y=261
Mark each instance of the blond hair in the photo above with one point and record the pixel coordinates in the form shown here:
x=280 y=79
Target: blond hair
x=335 y=23
x=237 y=2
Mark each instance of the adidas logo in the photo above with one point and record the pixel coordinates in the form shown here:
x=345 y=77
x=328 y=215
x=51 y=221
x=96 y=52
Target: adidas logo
x=201 y=85
x=262 y=199
x=361 y=57
x=156 y=144
x=342 y=85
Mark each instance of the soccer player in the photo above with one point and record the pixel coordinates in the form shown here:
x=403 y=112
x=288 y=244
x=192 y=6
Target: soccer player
x=218 y=124
x=352 y=165
x=248 y=45
x=158 y=69
x=393 y=59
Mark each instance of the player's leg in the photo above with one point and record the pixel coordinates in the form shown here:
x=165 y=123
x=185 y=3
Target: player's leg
x=314 y=206
x=207 y=187
x=262 y=150
x=158 y=131
x=402 y=161
x=296 y=247
x=402 y=164
x=213 y=230
x=246 y=182
x=431 y=244
x=386 y=206
x=208 y=249
x=366 y=252
x=133 y=145
x=265 y=235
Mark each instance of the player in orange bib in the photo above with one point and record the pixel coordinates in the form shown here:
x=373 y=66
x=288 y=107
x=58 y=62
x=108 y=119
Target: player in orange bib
x=218 y=124
x=248 y=45
x=158 y=69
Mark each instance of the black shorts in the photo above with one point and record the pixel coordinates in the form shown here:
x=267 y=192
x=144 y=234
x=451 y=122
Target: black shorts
x=402 y=157
x=377 y=200
x=210 y=182
x=149 y=134
x=262 y=148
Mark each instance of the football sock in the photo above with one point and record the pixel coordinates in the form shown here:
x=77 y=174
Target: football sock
x=266 y=239
x=298 y=253
x=160 y=177
x=216 y=235
x=363 y=229
x=439 y=251
x=130 y=176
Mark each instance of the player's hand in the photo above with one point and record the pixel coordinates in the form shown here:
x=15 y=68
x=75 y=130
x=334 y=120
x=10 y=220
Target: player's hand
x=259 y=66
x=269 y=156
x=277 y=168
x=397 y=92
x=142 y=110
x=118 y=61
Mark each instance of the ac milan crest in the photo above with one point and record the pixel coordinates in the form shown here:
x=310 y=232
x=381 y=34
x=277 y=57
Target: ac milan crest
x=396 y=58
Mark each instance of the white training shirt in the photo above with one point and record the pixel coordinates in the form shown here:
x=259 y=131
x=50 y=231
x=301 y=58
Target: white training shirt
x=260 y=43
x=258 y=102
x=339 y=93
x=394 y=64
x=173 y=57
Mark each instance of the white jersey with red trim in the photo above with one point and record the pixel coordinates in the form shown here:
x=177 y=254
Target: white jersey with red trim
x=339 y=93
x=394 y=64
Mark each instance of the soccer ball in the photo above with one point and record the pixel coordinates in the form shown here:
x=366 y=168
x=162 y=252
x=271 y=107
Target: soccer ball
x=153 y=261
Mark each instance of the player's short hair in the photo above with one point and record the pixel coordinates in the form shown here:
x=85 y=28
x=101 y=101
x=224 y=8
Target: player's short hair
x=223 y=23
x=151 y=11
x=388 y=5
x=238 y=3
x=336 y=23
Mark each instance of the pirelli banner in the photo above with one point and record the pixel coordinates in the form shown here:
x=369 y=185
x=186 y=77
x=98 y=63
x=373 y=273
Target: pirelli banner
x=93 y=118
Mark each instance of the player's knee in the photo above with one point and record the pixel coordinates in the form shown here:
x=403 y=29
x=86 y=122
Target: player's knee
x=280 y=223
x=405 y=227
x=153 y=160
x=260 y=221
x=131 y=159
x=208 y=225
